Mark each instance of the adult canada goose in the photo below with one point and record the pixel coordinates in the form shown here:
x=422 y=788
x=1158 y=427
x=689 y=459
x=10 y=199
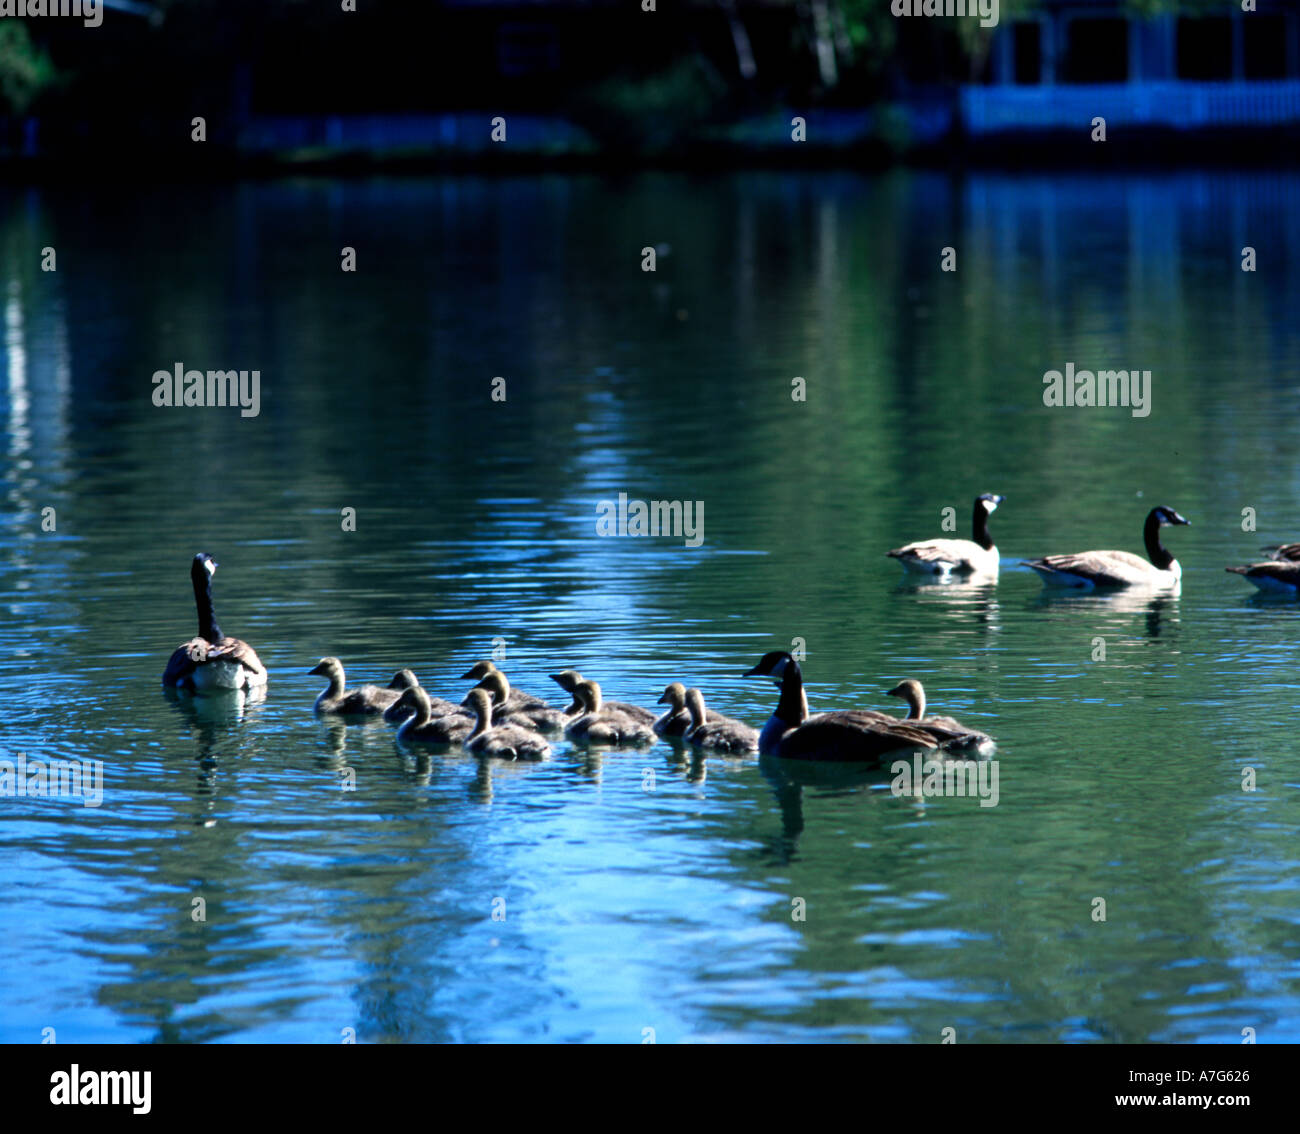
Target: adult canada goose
x=423 y=725
x=497 y=686
x=677 y=720
x=602 y=724
x=518 y=699
x=956 y=556
x=951 y=734
x=505 y=741
x=1275 y=576
x=844 y=735
x=570 y=679
x=722 y=735
x=212 y=662
x=366 y=700
x=1091 y=569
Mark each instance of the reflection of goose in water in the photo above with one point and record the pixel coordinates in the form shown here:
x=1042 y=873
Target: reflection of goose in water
x=216 y=710
x=1111 y=610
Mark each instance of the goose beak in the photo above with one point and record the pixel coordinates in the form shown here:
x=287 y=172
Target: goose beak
x=755 y=672
x=662 y=700
x=318 y=669
x=467 y=676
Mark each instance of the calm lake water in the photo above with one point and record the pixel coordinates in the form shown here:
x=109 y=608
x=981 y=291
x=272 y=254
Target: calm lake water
x=642 y=890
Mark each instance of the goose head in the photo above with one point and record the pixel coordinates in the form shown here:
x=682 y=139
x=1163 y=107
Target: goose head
x=989 y=501
x=674 y=695
x=328 y=667
x=1166 y=516
x=496 y=685
x=204 y=566
x=568 y=679
x=479 y=702
x=479 y=670
x=911 y=691
x=404 y=679
x=773 y=665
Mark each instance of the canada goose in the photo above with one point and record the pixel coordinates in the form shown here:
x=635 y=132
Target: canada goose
x=364 y=701
x=508 y=741
x=422 y=725
x=677 y=720
x=1118 y=568
x=518 y=699
x=497 y=686
x=950 y=734
x=570 y=679
x=602 y=724
x=211 y=662
x=845 y=735
x=1274 y=576
x=956 y=556
x=723 y=735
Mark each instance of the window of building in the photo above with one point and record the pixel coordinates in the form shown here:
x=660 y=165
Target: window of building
x=1205 y=48
x=1096 y=51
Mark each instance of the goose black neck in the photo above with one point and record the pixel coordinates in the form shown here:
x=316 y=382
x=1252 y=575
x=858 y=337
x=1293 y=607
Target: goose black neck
x=1156 y=551
x=791 y=707
x=979 y=526
x=208 y=628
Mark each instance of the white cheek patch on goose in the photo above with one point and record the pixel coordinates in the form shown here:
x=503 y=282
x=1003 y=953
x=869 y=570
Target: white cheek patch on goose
x=210 y=566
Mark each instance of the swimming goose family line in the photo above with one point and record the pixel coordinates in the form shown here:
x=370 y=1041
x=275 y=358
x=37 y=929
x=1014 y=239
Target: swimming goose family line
x=494 y=714
x=495 y=719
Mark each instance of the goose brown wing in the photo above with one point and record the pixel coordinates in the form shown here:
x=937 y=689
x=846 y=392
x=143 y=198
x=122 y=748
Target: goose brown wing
x=1101 y=567
x=956 y=551
x=235 y=650
x=185 y=659
x=850 y=735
